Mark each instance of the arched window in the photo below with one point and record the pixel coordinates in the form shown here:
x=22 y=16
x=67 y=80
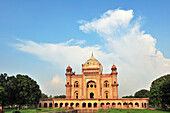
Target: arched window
x=106 y=83
x=91 y=95
x=76 y=94
x=76 y=84
x=106 y=94
x=91 y=84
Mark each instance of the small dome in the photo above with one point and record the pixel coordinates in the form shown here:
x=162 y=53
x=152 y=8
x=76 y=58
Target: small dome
x=113 y=67
x=69 y=69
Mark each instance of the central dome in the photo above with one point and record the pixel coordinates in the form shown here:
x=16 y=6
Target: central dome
x=92 y=64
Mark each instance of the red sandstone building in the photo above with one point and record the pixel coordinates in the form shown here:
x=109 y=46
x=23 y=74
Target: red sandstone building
x=92 y=89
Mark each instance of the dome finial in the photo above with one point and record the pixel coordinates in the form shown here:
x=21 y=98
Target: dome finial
x=92 y=54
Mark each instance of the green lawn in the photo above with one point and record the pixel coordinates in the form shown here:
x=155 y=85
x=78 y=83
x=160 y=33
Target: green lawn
x=130 y=111
x=35 y=110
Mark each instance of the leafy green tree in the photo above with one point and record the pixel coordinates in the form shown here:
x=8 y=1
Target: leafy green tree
x=11 y=90
x=143 y=93
x=155 y=90
x=19 y=90
x=60 y=96
x=44 y=96
x=128 y=96
x=3 y=82
x=28 y=91
x=165 y=89
x=1 y=94
x=50 y=96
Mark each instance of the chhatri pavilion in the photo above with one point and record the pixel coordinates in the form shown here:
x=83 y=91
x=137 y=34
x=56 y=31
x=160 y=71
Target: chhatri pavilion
x=92 y=90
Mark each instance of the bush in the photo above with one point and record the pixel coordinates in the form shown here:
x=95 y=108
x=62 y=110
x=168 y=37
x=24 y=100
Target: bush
x=38 y=109
x=16 y=112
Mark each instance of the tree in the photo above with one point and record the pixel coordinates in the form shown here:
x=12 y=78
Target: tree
x=3 y=82
x=44 y=96
x=28 y=91
x=130 y=96
x=19 y=90
x=155 y=90
x=143 y=93
x=11 y=90
x=165 y=89
x=60 y=96
x=1 y=94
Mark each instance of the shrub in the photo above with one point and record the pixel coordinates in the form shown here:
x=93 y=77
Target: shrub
x=16 y=112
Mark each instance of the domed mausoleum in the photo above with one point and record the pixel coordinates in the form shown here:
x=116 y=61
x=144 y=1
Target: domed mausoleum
x=93 y=90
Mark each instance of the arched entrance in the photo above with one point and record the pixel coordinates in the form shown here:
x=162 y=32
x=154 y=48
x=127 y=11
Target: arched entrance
x=91 y=89
x=56 y=104
x=91 y=95
x=39 y=105
x=95 y=105
x=101 y=104
x=45 y=105
x=84 y=105
x=50 y=105
x=89 y=105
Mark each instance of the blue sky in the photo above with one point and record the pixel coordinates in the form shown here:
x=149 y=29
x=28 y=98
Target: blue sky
x=56 y=22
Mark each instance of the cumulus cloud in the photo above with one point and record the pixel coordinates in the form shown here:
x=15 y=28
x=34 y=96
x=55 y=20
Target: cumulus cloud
x=54 y=87
x=111 y=22
x=132 y=50
x=138 y=60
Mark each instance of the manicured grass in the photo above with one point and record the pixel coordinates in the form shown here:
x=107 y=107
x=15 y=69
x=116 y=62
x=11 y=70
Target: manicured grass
x=35 y=110
x=129 y=111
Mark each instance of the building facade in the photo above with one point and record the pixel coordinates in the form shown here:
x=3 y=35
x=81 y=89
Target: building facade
x=93 y=89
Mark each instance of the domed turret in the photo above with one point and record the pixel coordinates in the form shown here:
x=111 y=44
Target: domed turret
x=92 y=66
x=114 y=69
x=69 y=69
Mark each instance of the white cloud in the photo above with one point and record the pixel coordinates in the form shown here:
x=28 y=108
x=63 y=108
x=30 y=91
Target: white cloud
x=111 y=22
x=54 y=87
x=138 y=60
x=133 y=52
